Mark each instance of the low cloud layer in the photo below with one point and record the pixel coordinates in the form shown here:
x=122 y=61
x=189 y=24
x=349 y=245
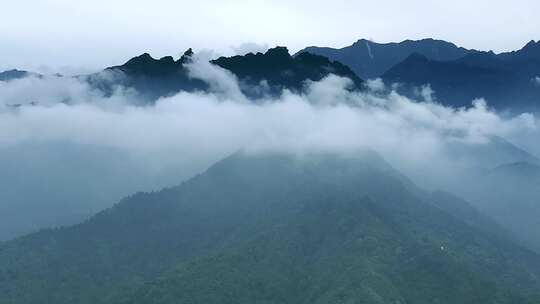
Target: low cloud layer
x=327 y=116
x=179 y=136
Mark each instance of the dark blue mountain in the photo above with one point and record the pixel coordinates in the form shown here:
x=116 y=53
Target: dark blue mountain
x=507 y=80
x=152 y=78
x=531 y=51
x=16 y=74
x=370 y=59
x=456 y=83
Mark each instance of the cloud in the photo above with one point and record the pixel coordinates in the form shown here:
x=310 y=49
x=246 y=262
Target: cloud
x=326 y=115
x=536 y=80
x=375 y=85
x=51 y=90
x=181 y=135
x=222 y=82
x=425 y=93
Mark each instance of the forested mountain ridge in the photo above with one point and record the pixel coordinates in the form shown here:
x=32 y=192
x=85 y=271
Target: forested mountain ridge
x=274 y=228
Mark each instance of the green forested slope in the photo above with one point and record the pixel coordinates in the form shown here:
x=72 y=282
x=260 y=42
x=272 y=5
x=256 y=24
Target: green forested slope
x=275 y=229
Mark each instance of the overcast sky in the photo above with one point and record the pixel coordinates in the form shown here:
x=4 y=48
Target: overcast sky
x=89 y=34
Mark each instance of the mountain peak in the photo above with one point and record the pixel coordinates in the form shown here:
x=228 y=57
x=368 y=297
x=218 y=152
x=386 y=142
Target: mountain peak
x=145 y=58
x=362 y=41
x=278 y=51
x=188 y=54
x=370 y=59
x=530 y=51
x=281 y=70
x=531 y=43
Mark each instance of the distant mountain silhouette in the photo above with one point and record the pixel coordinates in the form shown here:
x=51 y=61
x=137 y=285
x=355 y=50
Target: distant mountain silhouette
x=531 y=51
x=370 y=59
x=455 y=83
x=506 y=80
x=16 y=74
x=155 y=78
x=282 y=71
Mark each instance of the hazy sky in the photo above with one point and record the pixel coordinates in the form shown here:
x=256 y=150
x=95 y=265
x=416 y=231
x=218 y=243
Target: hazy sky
x=78 y=35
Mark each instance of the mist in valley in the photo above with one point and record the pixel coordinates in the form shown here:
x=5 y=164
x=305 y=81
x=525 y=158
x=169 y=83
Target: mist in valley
x=69 y=150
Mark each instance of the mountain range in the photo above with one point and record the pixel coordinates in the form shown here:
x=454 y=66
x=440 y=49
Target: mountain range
x=277 y=227
x=259 y=74
x=369 y=59
x=152 y=78
x=279 y=70
x=16 y=74
x=457 y=75
x=508 y=81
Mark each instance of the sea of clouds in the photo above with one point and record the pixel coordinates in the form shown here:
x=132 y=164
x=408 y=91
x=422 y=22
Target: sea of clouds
x=113 y=146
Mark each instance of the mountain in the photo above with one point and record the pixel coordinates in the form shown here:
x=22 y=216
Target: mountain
x=278 y=70
x=16 y=74
x=152 y=78
x=531 y=51
x=276 y=228
x=455 y=83
x=281 y=71
x=506 y=81
x=371 y=60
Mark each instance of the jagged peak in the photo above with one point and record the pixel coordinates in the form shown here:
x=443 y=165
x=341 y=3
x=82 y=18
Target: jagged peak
x=187 y=56
x=532 y=43
x=278 y=51
x=146 y=58
x=188 y=52
x=143 y=58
